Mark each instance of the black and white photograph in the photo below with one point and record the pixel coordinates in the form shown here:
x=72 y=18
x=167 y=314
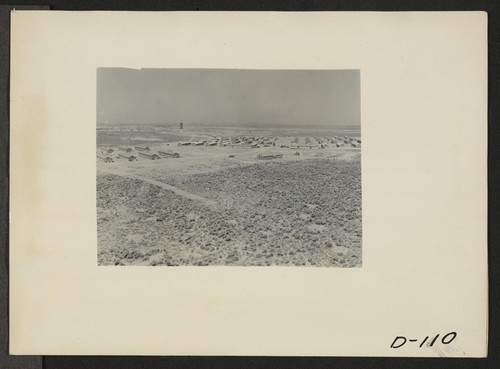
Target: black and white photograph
x=200 y=167
x=238 y=184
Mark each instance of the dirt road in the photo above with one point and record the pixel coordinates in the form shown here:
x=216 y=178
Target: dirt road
x=176 y=190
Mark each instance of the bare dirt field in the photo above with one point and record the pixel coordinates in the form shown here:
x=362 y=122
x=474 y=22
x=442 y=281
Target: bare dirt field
x=221 y=205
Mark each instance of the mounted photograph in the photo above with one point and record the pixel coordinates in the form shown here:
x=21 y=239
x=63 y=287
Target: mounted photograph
x=228 y=167
x=240 y=183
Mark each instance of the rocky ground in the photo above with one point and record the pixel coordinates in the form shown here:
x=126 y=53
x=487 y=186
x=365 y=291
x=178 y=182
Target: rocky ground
x=304 y=212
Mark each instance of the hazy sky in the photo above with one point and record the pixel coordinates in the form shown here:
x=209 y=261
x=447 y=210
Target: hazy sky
x=235 y=96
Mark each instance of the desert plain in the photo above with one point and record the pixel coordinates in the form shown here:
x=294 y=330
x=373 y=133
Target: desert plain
x=228 y=196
